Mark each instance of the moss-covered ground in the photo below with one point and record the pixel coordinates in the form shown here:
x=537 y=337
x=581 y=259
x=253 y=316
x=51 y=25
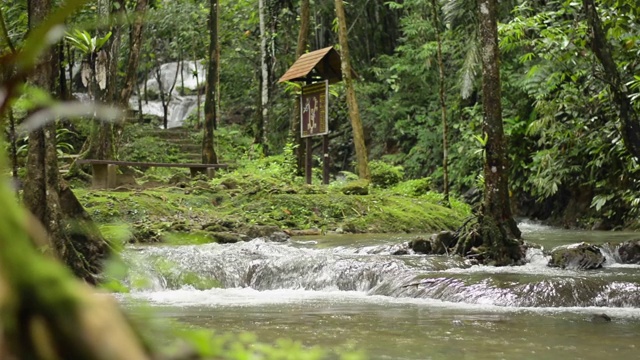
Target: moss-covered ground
x=185 y=211
x=163 y=204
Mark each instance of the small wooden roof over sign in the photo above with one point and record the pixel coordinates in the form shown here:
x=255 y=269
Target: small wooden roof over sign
x=323 y=64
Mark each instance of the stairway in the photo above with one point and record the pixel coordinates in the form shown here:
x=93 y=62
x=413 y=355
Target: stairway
x=183 y=139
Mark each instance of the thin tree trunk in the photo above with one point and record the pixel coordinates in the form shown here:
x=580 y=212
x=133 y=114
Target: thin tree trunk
x=630 y=127
x=135 y=48
x=264 y=78
x=497 y=223
x=208 y=150
x=443 y=103
x=303 y=36
x=352 y=101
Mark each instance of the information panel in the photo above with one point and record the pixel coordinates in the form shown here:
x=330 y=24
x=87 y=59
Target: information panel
x=314 y=109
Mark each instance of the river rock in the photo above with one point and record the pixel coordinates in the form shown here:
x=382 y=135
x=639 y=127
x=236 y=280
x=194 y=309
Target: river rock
x=226 y=237
x=581 y=256
x=629 y=252
x=420 y=245
x=601 y=318
x=269 y=233
x=442 y=242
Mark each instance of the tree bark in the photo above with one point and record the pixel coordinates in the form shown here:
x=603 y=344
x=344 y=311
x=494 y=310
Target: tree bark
x=135 y=47
x=210 y=109
x=630 y=127
x=497 y=224
x=352 y=101
x=303 y=36
x=443 y=103
x=82 y=249
x=265 y=68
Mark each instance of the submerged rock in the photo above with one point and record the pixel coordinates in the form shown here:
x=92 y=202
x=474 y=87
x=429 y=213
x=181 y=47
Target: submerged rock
x=600 y=318
x=580 y=256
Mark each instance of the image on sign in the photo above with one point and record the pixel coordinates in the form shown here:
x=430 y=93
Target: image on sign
x=314 y=109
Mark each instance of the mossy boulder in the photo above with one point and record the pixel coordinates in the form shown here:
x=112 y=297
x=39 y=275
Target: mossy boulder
x=358 y=187
x=581 y=256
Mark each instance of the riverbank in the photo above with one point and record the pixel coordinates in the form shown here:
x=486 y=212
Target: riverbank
x=235 y=207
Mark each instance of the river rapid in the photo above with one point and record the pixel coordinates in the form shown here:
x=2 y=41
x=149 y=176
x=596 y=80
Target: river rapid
x=349 y=290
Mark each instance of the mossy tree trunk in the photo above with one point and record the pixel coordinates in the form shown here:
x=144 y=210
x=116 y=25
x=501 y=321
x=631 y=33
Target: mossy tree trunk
x=352 y=102
x=497 y=228
x=82 y=248
x=210 y=109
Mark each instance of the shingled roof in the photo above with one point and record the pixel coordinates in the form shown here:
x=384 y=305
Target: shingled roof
x=323 y=64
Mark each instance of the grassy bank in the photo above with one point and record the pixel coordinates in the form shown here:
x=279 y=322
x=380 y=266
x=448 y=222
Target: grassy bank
x=242 y=202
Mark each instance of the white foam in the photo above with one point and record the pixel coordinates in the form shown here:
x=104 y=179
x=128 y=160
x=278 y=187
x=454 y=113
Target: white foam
x=246 y=297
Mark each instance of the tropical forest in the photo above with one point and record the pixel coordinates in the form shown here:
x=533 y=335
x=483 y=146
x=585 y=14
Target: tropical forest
x=306 y=179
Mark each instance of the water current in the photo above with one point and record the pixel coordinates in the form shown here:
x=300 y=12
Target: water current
x=349 y=289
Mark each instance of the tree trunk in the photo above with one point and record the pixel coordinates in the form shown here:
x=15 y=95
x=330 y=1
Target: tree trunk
x=303 y=36
x=630 y=127
x=131 y=70
x=498 y=228
x=81 y=247
x=443 y=103
x=264 y=76
x=210 y=110
x=135 y=48
x=352 y=101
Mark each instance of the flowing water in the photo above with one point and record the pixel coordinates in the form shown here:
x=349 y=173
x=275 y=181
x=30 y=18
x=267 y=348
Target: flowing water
x=337 y=290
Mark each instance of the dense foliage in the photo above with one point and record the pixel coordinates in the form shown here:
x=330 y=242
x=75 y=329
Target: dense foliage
x=568 y=158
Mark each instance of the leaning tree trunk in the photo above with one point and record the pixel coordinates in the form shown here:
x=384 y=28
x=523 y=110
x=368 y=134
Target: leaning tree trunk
x=303 y=36
x=630 y=127
x=352 y=101
x=498 y=229
x=210 y=110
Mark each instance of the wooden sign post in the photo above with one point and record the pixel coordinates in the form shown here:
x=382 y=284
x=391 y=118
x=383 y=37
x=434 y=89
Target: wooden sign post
x=317 y=69
x=314 y=121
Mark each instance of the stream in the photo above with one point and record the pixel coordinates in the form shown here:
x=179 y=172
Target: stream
x=349 y=290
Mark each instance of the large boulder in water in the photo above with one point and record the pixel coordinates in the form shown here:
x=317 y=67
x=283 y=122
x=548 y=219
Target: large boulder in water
x=629 y=252
x=580 y=256
x=420 y=245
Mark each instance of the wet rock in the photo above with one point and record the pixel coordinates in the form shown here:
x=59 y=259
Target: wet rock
x=600 y=318
x=269 y=233
x=226 y=237
x=279 y=236
x=629 y=252
x=447 y=238
x=442 y=242
x=580 y=256
x=400 y=251
x=420 y=245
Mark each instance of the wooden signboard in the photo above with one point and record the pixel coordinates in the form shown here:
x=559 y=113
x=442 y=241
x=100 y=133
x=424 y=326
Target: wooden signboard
x=314 y=109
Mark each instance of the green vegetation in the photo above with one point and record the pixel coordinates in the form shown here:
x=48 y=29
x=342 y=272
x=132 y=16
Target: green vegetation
x=267 y=195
